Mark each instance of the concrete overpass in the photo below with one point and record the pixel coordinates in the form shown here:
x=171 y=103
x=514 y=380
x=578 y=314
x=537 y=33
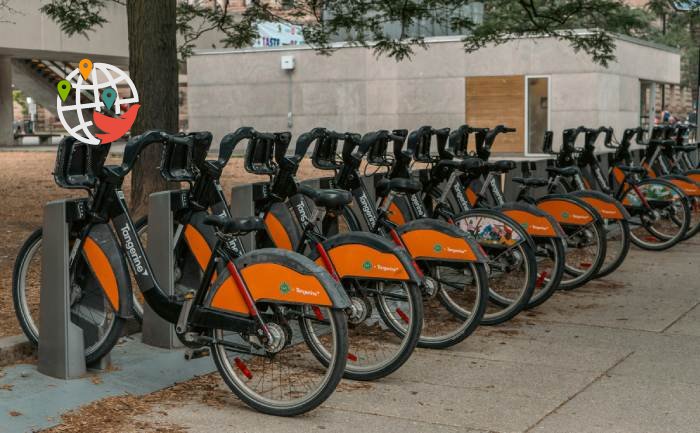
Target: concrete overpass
x=34 y=50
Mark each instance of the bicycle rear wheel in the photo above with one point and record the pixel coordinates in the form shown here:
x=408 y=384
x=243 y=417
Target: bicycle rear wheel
x=585 y=253
x=550 y=255
x=512 y=264
x=455 y=306
x=379 y=308
x=289 y=380
x=617 y=236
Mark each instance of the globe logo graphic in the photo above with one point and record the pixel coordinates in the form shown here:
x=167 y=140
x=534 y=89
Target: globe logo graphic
x=92 y=110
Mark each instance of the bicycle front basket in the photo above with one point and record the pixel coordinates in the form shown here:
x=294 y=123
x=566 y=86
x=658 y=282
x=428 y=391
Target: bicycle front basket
x=78 y=164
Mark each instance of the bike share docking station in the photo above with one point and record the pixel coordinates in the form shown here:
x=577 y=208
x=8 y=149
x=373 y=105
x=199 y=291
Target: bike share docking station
x=61 y=341
x=61 y=346
x=155 y=331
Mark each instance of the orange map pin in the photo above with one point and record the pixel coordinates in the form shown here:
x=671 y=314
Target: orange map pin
x=85 y=68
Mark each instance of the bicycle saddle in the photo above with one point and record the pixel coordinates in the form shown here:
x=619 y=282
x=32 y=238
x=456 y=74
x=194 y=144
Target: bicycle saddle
x=501 y=166
x=327 y=198
x=235 y=226
x=685 y=148
x=399 y=184
x=562 y=171
x=531 y=181
x=630 y=169
x=466 y=165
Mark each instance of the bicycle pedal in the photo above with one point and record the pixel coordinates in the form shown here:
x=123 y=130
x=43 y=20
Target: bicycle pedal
x=191 y=354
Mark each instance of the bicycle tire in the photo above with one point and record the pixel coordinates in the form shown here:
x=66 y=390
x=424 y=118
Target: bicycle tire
x=337 y=368
x=27 y=323
x=611 y=263
x=551 y=285
x=683 y=229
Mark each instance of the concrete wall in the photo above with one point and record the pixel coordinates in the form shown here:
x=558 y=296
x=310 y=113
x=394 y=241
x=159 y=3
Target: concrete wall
x=31 y=34
x=353 y=90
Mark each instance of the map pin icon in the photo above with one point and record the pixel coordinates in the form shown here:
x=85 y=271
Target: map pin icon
x=64 y=88
x=85 y=68
x=109 y=95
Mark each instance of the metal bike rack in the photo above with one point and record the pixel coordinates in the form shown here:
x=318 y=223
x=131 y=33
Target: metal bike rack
x=61 y=350
x=155 y=331
x=243 y=205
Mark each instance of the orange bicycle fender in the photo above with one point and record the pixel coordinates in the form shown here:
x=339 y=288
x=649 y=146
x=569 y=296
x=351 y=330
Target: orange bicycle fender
x=102 y=254
x=274 y=275
x=607 y=207
x=536 y=222
x=687 y=185
x=427 y=239
x=366 y=255
x=694 y=175
x=567 y=210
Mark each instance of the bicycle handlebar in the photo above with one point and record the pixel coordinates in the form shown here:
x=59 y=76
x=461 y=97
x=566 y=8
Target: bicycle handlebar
x=305 y=140
x=230 y=140
x=137 y=144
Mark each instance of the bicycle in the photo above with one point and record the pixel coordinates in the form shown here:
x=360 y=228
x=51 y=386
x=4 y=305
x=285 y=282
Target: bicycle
x=510 y=259
x=243 y=314
x=566 y=172
x=376 y=275
x=659 y=161
x=77 y=167
x=445 y=194
x=659 y=210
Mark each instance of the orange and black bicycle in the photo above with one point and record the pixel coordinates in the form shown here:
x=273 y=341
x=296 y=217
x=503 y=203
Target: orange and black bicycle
x=252 y=311
x=438 y=250
x=385 y=315
x=659 y=211
x=509 y=257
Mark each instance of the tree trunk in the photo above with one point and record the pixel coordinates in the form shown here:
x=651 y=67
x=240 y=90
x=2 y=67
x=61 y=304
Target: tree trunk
x=154 y=70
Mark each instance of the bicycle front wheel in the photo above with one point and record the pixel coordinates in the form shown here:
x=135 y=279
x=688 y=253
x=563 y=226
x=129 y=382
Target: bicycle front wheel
x=90 y=308
x=660 y=218
x=288 y=380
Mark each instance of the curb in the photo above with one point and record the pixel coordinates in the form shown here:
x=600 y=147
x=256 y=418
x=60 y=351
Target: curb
x=14 y=348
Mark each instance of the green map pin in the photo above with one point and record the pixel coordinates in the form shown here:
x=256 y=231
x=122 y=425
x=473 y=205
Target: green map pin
x=109 y=95
x=64 y=89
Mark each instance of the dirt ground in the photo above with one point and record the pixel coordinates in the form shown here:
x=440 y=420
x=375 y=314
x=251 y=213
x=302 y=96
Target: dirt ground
x=26 y=184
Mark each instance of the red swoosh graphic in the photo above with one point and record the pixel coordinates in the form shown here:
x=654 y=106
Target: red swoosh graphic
x=114 y=127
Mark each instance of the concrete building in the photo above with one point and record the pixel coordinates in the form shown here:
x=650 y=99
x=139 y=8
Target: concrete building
x=532 y=84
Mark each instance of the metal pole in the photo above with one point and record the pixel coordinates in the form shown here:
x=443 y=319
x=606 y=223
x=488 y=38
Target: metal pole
x=697 y=97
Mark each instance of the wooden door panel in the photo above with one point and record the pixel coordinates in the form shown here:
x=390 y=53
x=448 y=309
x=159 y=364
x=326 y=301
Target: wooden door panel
x=499 y=100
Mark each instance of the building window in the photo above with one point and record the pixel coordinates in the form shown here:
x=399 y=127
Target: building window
x=537 y=101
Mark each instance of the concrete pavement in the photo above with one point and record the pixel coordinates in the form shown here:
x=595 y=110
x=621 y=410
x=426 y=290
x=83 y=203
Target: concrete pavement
x=619 y=355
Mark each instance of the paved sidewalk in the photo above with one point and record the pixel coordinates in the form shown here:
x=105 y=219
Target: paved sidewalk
x=619 y=355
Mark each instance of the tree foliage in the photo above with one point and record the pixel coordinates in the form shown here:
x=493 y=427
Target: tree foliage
x=365 y=22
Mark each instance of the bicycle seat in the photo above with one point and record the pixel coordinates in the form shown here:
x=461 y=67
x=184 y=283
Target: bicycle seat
x=466 y=165
x=501 y=166
x=235 y=226
x=328 y=198
x=531 y=181
x=562 y=171
x=470 y=164
x=630 y=169
x=403 y=185
x=687 y=148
